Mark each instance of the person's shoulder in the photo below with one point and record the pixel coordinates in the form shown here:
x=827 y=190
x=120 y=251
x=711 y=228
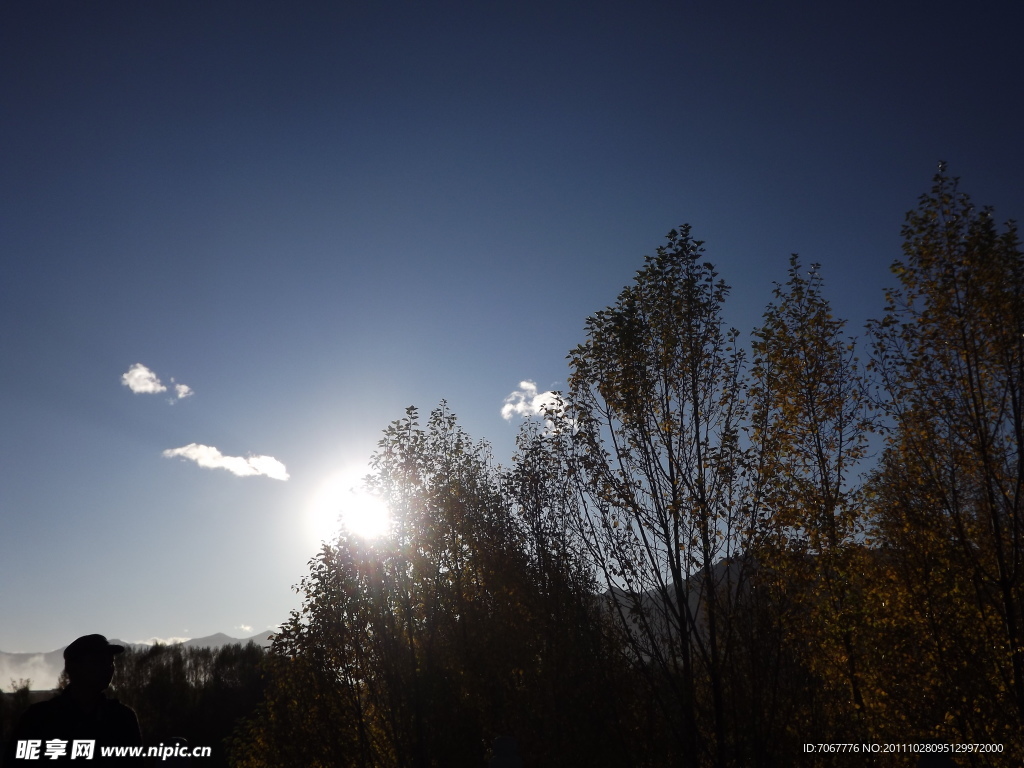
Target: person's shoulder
x=115 y=707
x=125 y=718
x=39 y=719
x=45 y=708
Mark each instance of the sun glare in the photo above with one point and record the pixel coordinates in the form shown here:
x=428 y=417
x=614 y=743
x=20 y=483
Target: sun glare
x=341 y=502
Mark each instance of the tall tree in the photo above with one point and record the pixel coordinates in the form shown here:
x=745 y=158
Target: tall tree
x=949 y=353
x=811 y=422
x=655 y=405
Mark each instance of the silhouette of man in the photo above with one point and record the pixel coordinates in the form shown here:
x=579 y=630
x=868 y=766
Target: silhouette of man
x=62 y=728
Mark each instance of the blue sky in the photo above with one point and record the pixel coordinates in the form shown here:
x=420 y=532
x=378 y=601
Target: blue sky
x=314 y=216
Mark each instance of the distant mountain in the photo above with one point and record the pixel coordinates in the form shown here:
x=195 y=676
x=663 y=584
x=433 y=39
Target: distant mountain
x=43 y=669
x=652 y=617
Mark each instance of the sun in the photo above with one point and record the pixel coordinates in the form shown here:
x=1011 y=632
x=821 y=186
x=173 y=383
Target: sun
x=341 y=501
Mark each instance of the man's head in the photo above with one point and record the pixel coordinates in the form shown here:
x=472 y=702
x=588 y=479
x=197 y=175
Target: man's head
x=89 y=662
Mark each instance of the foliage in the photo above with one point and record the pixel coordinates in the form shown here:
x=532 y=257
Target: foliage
x=810 y=424
x=12 y=705
x=655 y=406
x=949 y=355
x=421 y=648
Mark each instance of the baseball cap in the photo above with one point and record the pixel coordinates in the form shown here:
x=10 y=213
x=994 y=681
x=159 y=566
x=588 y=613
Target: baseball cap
x=90 y=645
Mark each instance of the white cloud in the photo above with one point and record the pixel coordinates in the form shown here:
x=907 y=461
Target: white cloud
x=526 y=402
x=140 y=380
x=209 y=457
x=244 y=628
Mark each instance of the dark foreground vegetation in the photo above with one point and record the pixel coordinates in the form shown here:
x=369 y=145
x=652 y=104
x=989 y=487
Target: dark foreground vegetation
x=195 y=693
x=693 y=559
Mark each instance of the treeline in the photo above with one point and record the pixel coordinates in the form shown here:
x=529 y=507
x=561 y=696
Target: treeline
x=694 y=559
x=196 y=694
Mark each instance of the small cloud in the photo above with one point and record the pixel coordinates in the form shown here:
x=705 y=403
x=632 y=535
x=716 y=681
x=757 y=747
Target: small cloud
x=244 y=628
x=244 y=466
x=183 y=390
x=140 y=380
x=526 y=402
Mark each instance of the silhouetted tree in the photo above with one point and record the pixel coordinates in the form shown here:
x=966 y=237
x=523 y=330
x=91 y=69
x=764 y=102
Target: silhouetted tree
x=655 y=406
x=12 y=706
x=810 y=424
x=949 y=354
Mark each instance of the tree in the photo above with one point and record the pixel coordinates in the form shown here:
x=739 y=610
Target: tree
x=12 y=706
x=655 y=405
x=579 y=648
x=811 y=424
x=949 y=354
x=422 y=647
